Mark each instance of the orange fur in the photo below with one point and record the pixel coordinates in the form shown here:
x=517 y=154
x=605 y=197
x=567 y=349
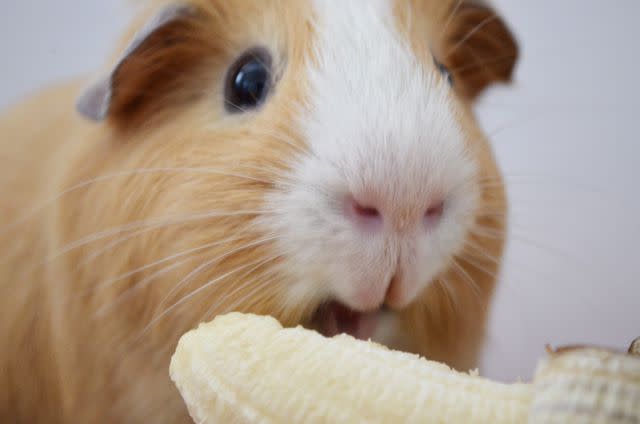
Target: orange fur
x=83 y=341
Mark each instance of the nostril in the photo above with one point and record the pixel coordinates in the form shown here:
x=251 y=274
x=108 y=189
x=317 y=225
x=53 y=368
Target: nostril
x=361 y=213
x=434 y=212
x=365 y=211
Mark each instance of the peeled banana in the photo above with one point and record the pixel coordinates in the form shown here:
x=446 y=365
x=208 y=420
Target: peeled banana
x=248 y=369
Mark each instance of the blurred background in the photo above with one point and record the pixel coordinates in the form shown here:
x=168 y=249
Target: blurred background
x=566 y=135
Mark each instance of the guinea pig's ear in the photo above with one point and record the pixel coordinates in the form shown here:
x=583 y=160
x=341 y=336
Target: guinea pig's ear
x=147 y=68
x=479 y=49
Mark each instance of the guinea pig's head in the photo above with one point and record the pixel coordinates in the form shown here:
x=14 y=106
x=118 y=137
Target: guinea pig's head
x=326 y=151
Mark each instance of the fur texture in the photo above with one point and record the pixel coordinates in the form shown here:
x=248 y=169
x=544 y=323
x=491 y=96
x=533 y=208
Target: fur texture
x=120 y=236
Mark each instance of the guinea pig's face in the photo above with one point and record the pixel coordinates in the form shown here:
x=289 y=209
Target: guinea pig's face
x=337 y=132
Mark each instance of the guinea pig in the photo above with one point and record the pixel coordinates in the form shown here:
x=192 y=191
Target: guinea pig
x=317 y=161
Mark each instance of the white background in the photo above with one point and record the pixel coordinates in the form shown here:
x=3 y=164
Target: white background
x=566 y=135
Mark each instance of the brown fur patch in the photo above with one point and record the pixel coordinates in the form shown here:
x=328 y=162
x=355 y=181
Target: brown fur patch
x=479 y=49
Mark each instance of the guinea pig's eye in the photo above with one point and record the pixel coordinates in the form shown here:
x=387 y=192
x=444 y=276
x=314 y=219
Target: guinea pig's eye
x=248 y=81
x=443 y=70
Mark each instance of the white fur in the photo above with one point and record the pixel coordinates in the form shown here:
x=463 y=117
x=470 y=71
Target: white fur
x=377 y=121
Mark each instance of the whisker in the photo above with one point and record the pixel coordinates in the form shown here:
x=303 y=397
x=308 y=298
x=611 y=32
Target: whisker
x=119 y=241
x=111 y=246
x=118 y=174
x=478 y=266
x=244 y=285
x=446 y=284
x=258 y=296
x=556 y=182
x=555 y=179
x=481 y=251
x=477 y=252
x=131 y=291
x=473 y=66
x=448 y=290
x=488 y=232
x=532 y=114
x=210 y=263
x=556 y=251
x=131 y=273
x=450 y=17
x=498 y=214
x=474 y=30
x=474 y=286
x=152 y=224
x=284 y=139
x=194 y=293
x=498 y=234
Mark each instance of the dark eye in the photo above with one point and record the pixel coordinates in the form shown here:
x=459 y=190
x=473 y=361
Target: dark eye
x=444 y=71
x=248 y=81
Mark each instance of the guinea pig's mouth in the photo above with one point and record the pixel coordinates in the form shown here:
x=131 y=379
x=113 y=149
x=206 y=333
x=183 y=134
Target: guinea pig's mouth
x=335 y=318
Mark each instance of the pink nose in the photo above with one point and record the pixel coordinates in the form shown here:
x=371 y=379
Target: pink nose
x=371 y=216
